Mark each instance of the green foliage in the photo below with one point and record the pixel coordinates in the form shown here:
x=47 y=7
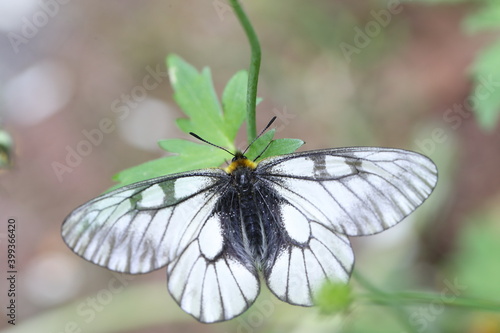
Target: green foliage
x=439 y=2
x=6 y=147
x=486 y=68
x=476 y=264
x=466 y=289
x=195 y=94
x=188 y=156
x=334 y=297
x=282 y=146
x=272 y=147
x=485 y=18
x=485 y=96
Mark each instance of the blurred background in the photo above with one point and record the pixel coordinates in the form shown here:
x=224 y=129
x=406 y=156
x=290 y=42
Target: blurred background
x=335 y=73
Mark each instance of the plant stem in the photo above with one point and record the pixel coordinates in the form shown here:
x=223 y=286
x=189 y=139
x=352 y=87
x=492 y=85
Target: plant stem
x=409 y=298
x=412 y=298
x=253 y=73
x=376 y=294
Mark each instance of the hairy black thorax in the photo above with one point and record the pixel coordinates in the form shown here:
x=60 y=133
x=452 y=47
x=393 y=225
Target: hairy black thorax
x=249 y=210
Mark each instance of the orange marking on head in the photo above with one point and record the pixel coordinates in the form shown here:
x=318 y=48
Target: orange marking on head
x=240 y=161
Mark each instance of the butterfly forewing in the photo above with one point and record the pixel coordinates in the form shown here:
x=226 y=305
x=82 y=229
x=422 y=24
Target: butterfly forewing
x=353 y=191
x=142 y=227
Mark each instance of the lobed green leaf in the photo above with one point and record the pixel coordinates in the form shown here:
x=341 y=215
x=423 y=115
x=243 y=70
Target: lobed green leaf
x=282 y=146
x=195 y=94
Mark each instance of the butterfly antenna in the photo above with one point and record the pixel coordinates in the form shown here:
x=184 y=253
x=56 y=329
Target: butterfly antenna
x=258 y=136
x=210 y=143
x=255 y=159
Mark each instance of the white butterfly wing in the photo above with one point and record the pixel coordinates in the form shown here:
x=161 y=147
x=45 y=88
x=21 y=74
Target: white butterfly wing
x=210 y=284
x=312 y=255
x=168 y=221
x=143 y=226
x=353 y=191
x=329 y=194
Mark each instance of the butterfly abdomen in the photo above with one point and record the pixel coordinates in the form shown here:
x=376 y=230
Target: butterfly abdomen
x=251 y=225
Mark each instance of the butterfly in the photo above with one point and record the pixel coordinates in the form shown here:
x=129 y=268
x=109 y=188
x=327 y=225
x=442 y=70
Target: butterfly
x=288 y=217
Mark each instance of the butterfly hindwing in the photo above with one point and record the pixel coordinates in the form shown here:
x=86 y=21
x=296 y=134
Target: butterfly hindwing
x=208 y=280
x=303 y=265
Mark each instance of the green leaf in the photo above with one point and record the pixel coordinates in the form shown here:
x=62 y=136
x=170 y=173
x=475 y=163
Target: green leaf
x=486 y=92
x=191 y=156
x=260 y=144
x=282 y=146
x=276 y=147
x=234 y=101
x=486 y=18
x=195 y=94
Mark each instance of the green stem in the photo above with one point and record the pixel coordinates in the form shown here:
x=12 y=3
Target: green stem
x=381 y=296
x=253 y=73
x=378 y=296
x=412 y=298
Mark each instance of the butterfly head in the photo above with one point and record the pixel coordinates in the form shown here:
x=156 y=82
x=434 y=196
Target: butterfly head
x=240 y=161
